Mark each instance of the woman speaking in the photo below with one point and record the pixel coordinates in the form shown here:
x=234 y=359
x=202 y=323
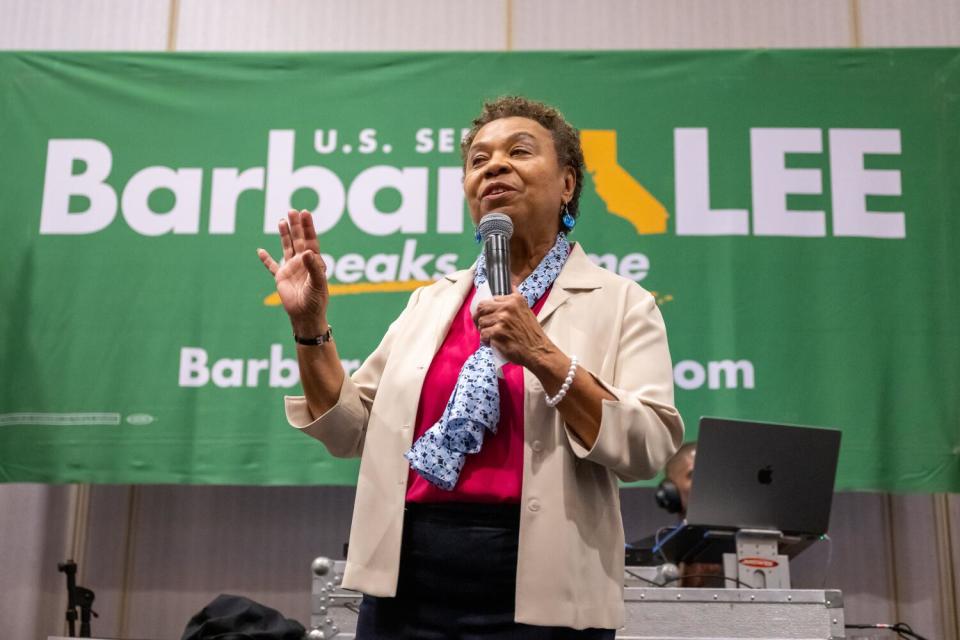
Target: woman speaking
x=487 y=503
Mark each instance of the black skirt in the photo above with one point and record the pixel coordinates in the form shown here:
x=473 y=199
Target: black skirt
x=458 y=567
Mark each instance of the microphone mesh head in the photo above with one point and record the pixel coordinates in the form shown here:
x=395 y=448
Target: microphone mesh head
x=495 y=223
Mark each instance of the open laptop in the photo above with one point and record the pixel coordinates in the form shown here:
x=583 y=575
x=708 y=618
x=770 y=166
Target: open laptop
x=757 y=475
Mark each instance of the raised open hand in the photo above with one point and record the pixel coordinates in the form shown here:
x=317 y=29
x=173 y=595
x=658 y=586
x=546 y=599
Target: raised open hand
x=301 y=279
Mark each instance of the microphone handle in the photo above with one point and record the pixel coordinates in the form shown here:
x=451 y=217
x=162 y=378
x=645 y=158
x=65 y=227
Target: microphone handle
x=496 y=249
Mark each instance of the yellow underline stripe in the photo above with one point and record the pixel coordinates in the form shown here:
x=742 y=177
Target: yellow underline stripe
x=273 y=299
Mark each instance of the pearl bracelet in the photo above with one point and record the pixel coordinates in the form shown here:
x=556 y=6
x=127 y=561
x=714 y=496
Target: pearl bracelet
x=571 y=373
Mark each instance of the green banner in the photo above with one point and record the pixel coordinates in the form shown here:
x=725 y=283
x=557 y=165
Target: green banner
x=796 y=214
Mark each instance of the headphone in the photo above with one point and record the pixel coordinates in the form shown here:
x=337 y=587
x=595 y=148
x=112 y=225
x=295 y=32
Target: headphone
x=668 y=497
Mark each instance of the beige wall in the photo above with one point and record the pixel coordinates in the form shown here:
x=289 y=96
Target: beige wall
x=155 y=555
x=364 y=25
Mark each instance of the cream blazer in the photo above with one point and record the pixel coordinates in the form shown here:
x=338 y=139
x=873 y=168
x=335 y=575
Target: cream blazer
x=571 y=548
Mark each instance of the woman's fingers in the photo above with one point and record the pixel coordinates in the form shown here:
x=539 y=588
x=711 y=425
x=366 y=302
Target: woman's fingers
x=490 y=305
x=316 y=269
x=485 y=335
x=485 y=307
x=268 y=261
x=311 y=242
x=286 y=241
x=486 y=320
x=296 y=231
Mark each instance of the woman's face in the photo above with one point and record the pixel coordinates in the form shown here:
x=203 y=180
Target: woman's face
x=512 y=168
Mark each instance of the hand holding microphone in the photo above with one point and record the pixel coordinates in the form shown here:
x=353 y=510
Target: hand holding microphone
x=495 y=230
x=505 y=320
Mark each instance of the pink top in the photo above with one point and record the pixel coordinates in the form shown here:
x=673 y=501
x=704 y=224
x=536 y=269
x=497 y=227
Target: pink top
x=495 y=474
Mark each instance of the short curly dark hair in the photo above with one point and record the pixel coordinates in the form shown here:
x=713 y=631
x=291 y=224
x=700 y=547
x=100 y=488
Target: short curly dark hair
x=566 y=139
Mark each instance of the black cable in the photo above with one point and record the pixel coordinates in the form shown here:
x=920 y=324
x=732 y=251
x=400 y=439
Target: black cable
x=708 y=575
x=639 y=577
x=902 y=629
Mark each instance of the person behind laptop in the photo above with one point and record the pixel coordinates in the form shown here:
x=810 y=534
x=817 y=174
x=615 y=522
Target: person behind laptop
x=674 y=490
x=672 y=495
x=679 y=473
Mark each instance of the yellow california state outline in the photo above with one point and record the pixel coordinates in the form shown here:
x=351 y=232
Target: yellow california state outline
x=620 y=191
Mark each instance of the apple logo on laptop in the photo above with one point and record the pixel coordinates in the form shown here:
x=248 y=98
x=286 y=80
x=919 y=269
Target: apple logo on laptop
x=765 y=475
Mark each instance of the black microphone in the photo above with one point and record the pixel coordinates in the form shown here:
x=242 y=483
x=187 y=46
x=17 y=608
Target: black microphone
x=496 y=229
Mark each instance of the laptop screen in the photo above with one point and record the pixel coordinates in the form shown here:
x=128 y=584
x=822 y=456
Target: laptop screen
x=755 y=475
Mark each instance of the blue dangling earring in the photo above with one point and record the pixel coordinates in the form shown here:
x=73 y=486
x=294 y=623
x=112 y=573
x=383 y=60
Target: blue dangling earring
x=476 y=236
x=568 y=221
